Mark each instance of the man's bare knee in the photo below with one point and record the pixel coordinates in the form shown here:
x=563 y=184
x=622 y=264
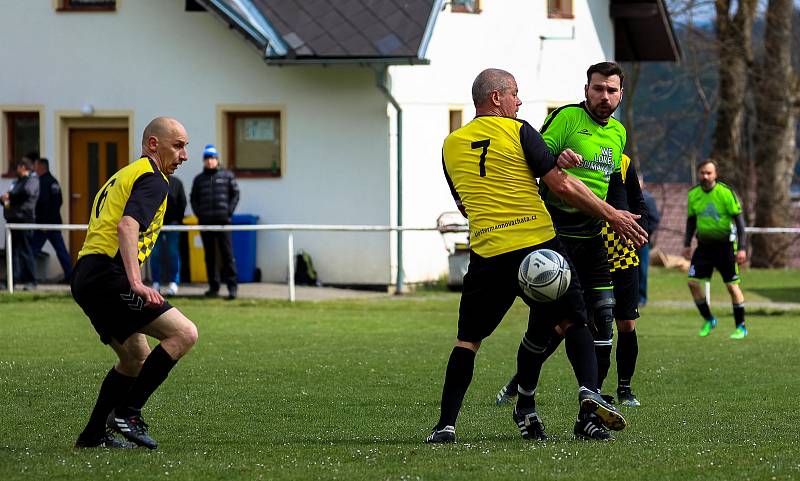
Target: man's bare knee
x=132 y=354
x=181 y=340
x=175 y=331
x=130 y=367
x=626 y=325
x=189 y=335
x=472 y=346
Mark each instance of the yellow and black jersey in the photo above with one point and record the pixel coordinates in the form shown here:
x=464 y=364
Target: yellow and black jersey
x=138 y=190
x=491 y=165
x=622 y=255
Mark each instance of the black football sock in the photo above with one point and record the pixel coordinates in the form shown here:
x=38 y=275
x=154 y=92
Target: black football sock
x=456 y=381
x=603 y=354
x=580 y=351
x=738 y=314
x=705 y=311
x=512 y=384
x=627 y=352
x=555 y=341
x=154 y=371
x=531 y=355
x=113 y=389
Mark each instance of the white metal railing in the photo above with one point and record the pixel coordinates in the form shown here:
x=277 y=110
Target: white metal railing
x=299 y=227
x=239 y=227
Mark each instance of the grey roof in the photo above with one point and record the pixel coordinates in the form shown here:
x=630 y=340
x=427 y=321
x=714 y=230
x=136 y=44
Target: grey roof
x=332 y=31
x=398 y=31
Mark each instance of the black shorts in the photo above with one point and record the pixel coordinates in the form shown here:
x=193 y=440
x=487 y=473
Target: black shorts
x=101 y=288
x=590 y=256
x=626 y=293
x=491 y=286
x=716 y=255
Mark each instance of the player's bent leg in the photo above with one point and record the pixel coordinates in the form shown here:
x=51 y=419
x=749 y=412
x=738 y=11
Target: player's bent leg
x=531 y=355
x=177 y=334
x=131 y=353
x=115 y=386
x=175 y=331
x=627 y=354
x=603 y=302
x=457 y=379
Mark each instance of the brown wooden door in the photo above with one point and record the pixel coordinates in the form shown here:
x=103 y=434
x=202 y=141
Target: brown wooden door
x=94 y=156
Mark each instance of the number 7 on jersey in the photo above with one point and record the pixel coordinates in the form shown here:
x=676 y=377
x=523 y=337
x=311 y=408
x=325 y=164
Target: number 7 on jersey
x=485 y=145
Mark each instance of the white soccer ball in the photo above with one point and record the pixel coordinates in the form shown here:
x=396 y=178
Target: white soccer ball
x=544 y=275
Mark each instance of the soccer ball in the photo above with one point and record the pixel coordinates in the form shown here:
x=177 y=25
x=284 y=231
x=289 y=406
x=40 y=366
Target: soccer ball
x=544 y=275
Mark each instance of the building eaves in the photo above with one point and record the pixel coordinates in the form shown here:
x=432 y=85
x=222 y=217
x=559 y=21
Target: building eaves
x=643 y=31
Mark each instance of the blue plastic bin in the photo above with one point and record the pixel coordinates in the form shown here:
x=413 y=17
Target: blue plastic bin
x=244 y=248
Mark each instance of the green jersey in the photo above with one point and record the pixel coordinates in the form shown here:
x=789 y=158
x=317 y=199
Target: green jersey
x=601 y=146
x=714 y=210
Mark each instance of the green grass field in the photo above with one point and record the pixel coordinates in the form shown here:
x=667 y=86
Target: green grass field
x=348 y=390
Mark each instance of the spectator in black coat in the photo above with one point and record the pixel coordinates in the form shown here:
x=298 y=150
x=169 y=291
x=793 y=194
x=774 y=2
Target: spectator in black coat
x=48 y=211
x=19 y=207
x=214 y=197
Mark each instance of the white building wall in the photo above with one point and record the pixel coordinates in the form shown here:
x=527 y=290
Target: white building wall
x=152 y=58
x=506 y=34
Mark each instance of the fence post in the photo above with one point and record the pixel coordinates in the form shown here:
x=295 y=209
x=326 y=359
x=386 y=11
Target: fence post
x=9 y=262
x=291 y=267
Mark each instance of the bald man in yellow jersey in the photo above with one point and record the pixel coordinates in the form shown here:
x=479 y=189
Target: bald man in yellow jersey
x=126 y=217
x=491 y=165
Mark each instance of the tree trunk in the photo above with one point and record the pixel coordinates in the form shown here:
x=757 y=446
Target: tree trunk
x=776 y=91
x=735 y=57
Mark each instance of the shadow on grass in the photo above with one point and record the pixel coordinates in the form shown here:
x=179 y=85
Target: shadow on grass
x=778 y=294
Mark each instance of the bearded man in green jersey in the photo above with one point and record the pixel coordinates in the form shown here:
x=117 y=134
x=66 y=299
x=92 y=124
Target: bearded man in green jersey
x=711 y=209
x=588 y=129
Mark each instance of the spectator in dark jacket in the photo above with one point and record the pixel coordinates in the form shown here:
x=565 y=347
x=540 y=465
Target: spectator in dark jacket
x=214 y=197
x=654 y=217
x=166 y=253
x=48 y=211
x=19 y=206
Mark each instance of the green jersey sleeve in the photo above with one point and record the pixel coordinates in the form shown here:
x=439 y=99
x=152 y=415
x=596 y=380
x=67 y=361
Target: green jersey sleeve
x=734 y=207
x=557 y=129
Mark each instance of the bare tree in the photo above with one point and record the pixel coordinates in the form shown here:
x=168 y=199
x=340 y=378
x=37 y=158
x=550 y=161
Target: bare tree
x=734 y=37
x=776 y=88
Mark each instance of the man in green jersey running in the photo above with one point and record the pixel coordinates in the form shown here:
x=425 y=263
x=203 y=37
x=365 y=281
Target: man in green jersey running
x=712 y=206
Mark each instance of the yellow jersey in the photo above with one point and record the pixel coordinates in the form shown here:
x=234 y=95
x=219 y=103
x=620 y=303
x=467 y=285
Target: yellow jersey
x=138 y=190
x=491 y=165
